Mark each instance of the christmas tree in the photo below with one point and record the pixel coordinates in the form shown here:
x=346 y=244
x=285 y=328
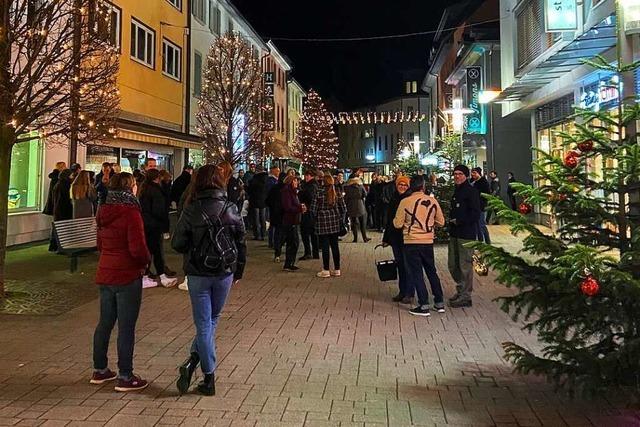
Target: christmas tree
x=578 y=287
x=317 y=141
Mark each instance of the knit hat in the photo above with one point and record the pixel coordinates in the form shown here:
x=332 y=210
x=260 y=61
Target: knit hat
x=463 y=169
x=403 y=180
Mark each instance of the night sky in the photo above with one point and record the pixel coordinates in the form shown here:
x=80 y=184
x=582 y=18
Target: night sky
x=351 y=74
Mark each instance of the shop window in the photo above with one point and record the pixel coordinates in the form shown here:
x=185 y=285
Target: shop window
x=142 y=43
x=25 y=176
x=99 y=154
x=132 y=160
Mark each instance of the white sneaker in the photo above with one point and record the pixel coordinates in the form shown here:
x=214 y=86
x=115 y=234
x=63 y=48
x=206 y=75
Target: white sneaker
x=148 y=282
x=184 y=286
x=168 y=282
x=276 y=259
x=324 y=274
x=336 y=273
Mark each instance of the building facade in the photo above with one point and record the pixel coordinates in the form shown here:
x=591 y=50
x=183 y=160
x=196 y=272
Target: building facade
x=278 y=67
x=296 y=96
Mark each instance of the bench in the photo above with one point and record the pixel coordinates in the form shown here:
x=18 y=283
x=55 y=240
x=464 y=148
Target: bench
x=76 y=236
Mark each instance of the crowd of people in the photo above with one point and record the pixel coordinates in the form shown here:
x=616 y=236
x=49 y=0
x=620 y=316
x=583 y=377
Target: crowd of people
x=216 y=208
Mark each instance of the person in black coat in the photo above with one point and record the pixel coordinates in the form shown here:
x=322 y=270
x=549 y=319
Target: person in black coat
x=155 y=214
x=480 y=183
x=258 y=205
x=511 y=192
x=208 y=288
x=102 y=182
x=463 y=224
x=180 y=184
x=393 y=237
x=53 y=177
x=62 y=205
x=236 y=192
x=274 y=203
x=306 y=195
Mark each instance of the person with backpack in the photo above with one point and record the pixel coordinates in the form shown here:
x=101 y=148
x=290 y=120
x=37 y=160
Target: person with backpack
x=211 y=235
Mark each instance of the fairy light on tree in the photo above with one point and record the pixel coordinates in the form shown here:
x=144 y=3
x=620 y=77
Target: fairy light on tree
x=230 y=107
x=43 y=67
x=316 y=140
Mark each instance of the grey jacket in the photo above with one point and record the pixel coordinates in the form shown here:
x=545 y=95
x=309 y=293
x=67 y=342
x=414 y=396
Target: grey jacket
x=355 y=195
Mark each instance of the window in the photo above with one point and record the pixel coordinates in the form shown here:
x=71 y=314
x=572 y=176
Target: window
x=214 y=18
x=197 y=74
x=407 y=88
x=414 y=87
x=532 y=40
x=379 y=143
x=230 y=26
x=386 y=143
x=198 y=8
x=176 y=3
x=171 y=59
x=142 y=43
x=105 y=21
x=24 y=176
x=34 y=11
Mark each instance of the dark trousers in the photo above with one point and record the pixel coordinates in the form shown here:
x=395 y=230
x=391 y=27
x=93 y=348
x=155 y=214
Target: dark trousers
x=512 y=202
x=310 y=241
x=405 y=288
x=121 y=303
x=154 y=243
x=330 y=246
x=482 y=233
x=417 y=258
x=259 y=221
x=359 y=221
x=290 y=235
x=381 y=214
x=278 y=238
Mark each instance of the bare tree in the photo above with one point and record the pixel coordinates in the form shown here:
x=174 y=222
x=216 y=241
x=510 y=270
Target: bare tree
x=58 y=71
x=230 y=107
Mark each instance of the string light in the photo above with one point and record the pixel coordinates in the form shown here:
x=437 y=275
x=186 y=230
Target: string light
x=374 y=117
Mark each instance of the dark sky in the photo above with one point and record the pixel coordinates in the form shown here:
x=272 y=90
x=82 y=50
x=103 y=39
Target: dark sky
x=355 y=73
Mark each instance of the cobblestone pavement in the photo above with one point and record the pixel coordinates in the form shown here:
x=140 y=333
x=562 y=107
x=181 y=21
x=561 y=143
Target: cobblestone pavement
x=294 y=350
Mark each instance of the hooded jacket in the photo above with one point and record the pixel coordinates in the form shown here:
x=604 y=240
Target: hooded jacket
x=121 y=242
x=417 y=216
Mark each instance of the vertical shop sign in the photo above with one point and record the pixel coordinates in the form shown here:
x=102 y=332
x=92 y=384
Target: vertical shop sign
x=268 y=119
x=474 y=122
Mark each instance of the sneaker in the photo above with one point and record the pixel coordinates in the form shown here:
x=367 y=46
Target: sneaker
x=184 y=286
x=168 y=282
x=397 y=298
x=132 y=384
x=324 y=274
x=291 y=268
x=440 y=308
x=459 y=303
x=103 y=377
x=420 y=311
x=276 y=260
x=148 y=282
x=335 y=273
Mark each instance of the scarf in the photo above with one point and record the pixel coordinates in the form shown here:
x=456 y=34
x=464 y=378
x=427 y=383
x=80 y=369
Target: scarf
x=122 y=198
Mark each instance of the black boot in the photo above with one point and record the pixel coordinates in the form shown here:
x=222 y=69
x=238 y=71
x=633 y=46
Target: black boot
x=208 y=386
x=186 y=372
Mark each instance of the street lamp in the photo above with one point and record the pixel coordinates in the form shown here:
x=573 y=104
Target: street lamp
x=457 y=120
x=489 y=95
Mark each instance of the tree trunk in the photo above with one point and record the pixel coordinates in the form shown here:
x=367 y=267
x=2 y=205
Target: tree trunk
x=7 y=139
x=75 y=86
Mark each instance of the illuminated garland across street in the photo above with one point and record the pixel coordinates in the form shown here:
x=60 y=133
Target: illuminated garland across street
x=372 y=117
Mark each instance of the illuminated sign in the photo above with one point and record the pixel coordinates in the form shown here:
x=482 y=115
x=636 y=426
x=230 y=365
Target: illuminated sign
x=560 y=15
x=602 y=95
x=475 y=120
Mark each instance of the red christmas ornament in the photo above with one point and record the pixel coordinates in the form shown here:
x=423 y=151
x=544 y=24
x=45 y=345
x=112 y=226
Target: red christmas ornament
x=590 y=286
x=525 y=208
x=585 y=146
x=562 y=197
x=571 y=159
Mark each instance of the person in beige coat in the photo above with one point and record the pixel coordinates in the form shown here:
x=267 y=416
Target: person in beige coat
x=417 y=216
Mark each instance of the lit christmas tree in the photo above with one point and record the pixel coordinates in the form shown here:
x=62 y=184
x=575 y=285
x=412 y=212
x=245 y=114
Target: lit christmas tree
x=317 y=141
x=230 y=106
x=579 y=287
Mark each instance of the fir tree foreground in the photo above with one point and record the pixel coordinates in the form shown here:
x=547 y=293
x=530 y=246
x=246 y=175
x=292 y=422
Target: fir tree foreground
x=579 y=288
x=316 y=139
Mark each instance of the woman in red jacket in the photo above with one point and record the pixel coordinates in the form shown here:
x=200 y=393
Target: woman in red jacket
x=123 y=259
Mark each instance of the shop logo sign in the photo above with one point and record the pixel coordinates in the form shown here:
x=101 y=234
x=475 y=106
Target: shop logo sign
x=560 y=15
x=474 y=122
x=602 y=95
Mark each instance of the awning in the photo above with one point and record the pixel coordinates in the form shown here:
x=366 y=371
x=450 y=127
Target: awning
x=596 y=41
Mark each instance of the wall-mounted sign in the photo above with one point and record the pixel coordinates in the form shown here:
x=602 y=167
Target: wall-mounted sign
x=602 y=95
x=474 y=122
x=268 y=115
x=560 y=15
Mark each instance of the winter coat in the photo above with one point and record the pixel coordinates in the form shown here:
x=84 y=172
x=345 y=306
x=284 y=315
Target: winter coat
x=417 y=216
x=48 y=207
x=235 y=191
x=483 y=187
x=155 y=211
x=306 y=195
x=291 y=206
x=101 y=188
x=83 y=208
x=62 y=207
x=180 y=184
x=328 y=219
x=166 y=192
x=496 y=187
x=393 y=236
x=191 y=228
x=121 y=242
x=354 y=197
x=510 y=190
x=465 y=212
x=270 y=183
x=257 y=191
x=274 y=203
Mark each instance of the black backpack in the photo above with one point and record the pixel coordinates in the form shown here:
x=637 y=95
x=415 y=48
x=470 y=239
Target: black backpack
x=216 y=252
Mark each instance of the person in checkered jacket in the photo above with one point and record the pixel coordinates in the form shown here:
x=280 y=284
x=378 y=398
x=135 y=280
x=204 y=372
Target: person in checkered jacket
x=329 y=209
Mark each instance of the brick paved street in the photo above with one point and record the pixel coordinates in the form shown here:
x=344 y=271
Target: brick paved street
x=294 y=350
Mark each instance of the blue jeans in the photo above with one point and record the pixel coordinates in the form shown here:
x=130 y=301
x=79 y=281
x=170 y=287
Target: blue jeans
x=258 y=217
x=483 y=231
x=208 y=295
x=406 y=289
x=121 y=304
x=417 y=258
